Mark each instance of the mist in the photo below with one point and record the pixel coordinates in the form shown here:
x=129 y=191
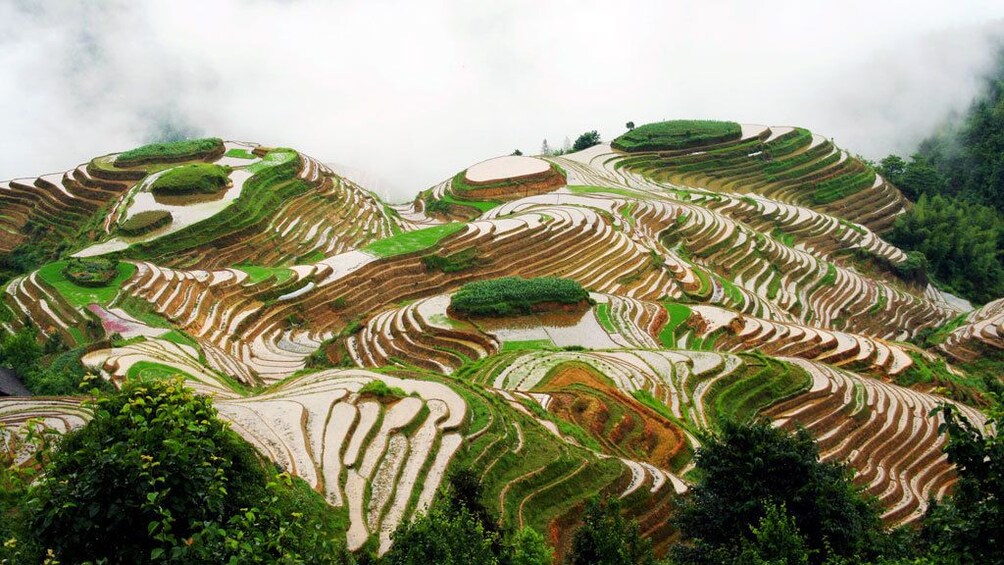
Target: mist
x=409 y=93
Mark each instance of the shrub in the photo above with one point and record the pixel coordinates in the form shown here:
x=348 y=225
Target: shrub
x=156 y=477
x=91 y=272
x=197 y=178
x=380 y=389
x=509 y=296
x=677 y=134
x=586 y=140
x=145 y=222
x=171 y=151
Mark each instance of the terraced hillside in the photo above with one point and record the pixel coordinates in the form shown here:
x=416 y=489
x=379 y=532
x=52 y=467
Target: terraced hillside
x=725 y=272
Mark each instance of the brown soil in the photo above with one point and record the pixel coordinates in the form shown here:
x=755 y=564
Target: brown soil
x=583 y=397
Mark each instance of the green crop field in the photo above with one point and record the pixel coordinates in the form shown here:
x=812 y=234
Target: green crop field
x=80 y=296
x=408 y=242
x=677 y=134
x=187 y=149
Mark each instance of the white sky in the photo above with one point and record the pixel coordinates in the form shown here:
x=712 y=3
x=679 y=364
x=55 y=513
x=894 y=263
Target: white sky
x=412 y=92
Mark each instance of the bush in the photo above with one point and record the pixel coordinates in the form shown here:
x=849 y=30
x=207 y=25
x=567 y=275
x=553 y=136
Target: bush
x=677 y=134
x=586 y=140
x=509 y=296
x=172 y=151
x=94 y=272
x=145 y=222
x=380 y=389
x=746 y=469
x=198 y=178
x=606 y=538
x=156 y=477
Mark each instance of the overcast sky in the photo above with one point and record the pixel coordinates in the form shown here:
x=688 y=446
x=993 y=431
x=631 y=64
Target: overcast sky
x=412 y=92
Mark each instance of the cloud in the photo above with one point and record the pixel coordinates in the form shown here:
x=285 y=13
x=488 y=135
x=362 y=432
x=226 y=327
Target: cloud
x=412 y=92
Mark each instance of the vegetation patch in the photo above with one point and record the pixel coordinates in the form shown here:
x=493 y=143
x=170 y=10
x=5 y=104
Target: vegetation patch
x=79 y=296
x=677 y=134
x=197 y=178
x=512 y=296
x=417 y=240
x=91 y=272
x=379 y=389
x=173 y=151
x=145 y=222
x=459 y=261
x=237 y=153
x=257 y=273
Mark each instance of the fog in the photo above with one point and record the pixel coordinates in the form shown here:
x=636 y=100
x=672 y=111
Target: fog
x=412 y=92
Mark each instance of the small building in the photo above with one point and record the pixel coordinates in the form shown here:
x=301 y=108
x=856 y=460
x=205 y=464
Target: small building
x=10 y=385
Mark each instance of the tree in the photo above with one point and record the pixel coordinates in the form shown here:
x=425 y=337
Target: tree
x=606 y=538
x=629 y=125
x=586 y=140
x=747 y=468
x=545 y=149
x=968 y=527
x=517 y=153
x=775 y=540
x=448 y=535
x=527 y=547
x=155 y=476
x=961 y=241
x=566 y=146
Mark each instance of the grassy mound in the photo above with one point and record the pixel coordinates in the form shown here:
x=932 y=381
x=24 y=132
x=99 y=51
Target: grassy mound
x=172 y=151
x=510 y=296
x=677 y=134
x=198 y=178
x=91 y=272
x=145 y=222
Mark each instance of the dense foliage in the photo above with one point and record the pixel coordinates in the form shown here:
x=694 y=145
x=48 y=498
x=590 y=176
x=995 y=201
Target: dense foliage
x=458 y=530
x=968 y=527
x=607 y=538
x=677 y=134
x=961 y=241
x=144 y=222
x=156 y=477
x=170 y=151
x=586 y=140
x=970 y=154
x=511 y=296
x=957 y=180
x=197 y=178
x=51 y=370
x=91 y=271
x=747 y=469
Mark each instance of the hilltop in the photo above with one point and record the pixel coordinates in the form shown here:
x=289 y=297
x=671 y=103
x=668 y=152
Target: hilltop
x=562 y=325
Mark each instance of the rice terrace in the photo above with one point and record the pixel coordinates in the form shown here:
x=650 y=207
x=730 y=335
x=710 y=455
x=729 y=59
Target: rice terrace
x=563 y=327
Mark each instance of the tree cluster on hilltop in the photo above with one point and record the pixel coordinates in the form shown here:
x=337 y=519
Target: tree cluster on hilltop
x=956 y=180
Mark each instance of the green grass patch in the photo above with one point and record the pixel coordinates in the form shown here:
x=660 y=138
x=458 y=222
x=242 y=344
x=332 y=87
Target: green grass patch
x=677 y=134
x=481 y=205
x=171 y=151
x=603 y=316
x=181 y=338
x=79 y=296
x=257 y=273
x=91 y=272
x=238 y=153
x=273 y=158
x=588 y=189
x=509 y=296
x=678 y=313
x=197 y=178
x=408 y=242
x=152 y=370
x=527 y=344
x=145 y=222
x=459 y=261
